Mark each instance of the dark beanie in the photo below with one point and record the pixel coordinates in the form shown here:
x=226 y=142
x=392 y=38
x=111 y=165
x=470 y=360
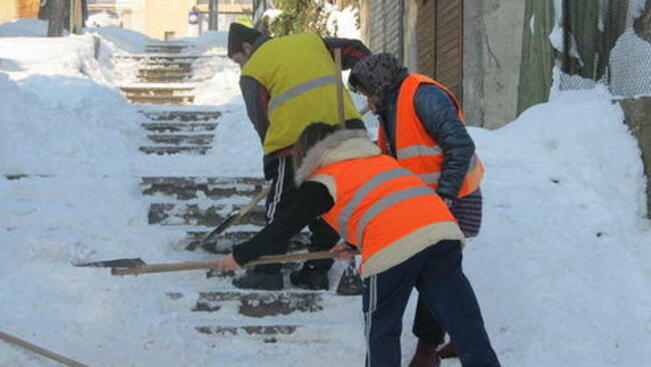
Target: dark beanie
x=238 y=34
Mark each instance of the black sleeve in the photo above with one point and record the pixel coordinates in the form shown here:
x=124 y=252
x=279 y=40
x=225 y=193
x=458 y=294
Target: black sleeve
x=312 y=200
x=256 y=99
x=352 y=50
x=439 y=117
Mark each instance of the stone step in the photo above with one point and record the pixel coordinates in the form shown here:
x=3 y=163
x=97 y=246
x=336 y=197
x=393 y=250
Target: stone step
x=182 y=115
x=178 y=127
x=163 y=79
x=223 y=244
x=161 y=100
x=268 y=332
x=163 y=58
x=164 y=71
x=159 y=91
x=203 y=139
x=166 y=48
x=166 y=65
x=192 y=214
x=186 y=188
x=261 y=304
x=163 y=150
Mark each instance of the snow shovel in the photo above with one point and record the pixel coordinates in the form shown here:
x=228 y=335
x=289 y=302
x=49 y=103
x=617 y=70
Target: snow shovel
x=350 y=283
x=38 y=350
x=206 y=265
x=236 y=215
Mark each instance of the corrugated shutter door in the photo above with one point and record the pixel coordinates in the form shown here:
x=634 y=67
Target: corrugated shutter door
x=440 y=42
x=425 y=31
x=376 y=28
x=449 y=44
x=393 y=12
x=385 y=27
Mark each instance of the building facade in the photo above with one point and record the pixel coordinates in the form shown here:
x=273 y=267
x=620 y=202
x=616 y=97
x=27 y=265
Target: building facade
x=16 y=9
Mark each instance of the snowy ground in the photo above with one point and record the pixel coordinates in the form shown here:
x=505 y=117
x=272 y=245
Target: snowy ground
x=562 y=267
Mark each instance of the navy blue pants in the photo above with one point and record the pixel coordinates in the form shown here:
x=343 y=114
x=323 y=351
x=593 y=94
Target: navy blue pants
x=437 y=275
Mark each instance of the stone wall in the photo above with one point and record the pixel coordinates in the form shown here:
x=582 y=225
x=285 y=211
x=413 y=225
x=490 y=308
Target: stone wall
x=638 y=118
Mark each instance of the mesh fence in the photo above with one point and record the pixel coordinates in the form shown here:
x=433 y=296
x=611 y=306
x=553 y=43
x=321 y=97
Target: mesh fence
x=605 y=42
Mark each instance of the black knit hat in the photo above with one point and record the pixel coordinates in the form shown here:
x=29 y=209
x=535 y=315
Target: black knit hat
x=238 y=34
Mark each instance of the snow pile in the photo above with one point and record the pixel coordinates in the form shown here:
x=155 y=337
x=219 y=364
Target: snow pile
x=121 y=39
x=62 y=125
x=27 y=27
x=630 y=61
x=562 y=265
x=210 y=39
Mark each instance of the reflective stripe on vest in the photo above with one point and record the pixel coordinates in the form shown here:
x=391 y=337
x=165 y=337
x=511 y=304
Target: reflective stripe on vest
x=300 y=89
x=387 y=202
x=378 y=202
x=298 y=73
x=364 y=190
x=416 y=150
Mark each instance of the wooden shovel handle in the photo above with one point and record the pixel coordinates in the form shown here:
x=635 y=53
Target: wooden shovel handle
x=197 y=265
x=246 y=208
x=38 y=350
x=340 y=88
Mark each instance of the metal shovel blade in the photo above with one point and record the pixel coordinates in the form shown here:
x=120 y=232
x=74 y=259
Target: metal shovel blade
x=116 y=263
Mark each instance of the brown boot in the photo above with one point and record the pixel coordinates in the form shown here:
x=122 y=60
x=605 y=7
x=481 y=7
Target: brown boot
x=448 y=350
x=425 y=355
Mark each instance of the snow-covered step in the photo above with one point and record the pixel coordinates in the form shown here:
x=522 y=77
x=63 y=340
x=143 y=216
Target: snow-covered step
x=199 y=215
x=261 y=304
x=267 y=331
x=173 y=127
x=170 y=150
x=186 y=188
x=224 y=242
x=178 y=139
x=167 y=48
x=154 y=64
x=161 y=78
x=162 y=57
x=182 y=115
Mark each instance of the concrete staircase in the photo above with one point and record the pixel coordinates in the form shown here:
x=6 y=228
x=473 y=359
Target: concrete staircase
x=195 y=205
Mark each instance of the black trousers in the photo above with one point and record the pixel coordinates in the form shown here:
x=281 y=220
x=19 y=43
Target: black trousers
x=437 y=274
x=283 y=190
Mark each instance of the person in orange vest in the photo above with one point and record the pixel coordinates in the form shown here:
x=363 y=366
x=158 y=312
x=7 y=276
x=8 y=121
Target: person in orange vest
x=407 y=237
x=421 y=124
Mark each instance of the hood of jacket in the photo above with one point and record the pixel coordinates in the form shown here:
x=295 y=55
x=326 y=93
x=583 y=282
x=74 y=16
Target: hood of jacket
x=340 y=146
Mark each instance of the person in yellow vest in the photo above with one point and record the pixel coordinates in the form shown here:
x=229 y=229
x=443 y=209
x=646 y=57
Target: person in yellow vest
x=407 y=237
x=287 y=82
x=421 y=124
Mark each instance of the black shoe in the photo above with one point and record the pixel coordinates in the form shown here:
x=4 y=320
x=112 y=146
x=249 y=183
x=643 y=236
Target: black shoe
x=260 y=281
x=310 y=278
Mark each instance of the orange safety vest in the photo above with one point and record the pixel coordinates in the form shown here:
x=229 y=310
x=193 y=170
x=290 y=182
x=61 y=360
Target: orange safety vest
x=378 y=202
x=416 y=150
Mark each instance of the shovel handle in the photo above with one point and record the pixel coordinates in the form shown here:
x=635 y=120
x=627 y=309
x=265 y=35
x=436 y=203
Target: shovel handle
x=38 y=350
x=197 y=265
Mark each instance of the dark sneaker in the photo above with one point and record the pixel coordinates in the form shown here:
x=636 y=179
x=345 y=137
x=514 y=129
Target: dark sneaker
x=260 y=281
x=426 y=355
x=310 y=278
x=350 y=283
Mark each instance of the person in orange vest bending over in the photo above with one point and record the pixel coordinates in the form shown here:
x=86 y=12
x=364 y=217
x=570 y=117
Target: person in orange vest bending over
x=421 y=124
x=406 y=234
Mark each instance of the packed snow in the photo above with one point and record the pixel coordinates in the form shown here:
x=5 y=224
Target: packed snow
x=562 y=267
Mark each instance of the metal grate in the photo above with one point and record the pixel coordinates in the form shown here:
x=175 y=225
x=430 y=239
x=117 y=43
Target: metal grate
x=601 y=46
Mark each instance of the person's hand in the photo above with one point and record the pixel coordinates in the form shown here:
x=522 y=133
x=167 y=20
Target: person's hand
x=343 y=251
x=227 y=263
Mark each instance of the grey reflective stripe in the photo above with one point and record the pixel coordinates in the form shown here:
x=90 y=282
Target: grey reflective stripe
x=418 y=151
x=473 y=163
x=298 y=90
x=386 y=203
x=430 y=178
x=364 y=190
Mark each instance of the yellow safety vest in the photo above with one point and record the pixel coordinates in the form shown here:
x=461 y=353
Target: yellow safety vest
x=298 y=72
